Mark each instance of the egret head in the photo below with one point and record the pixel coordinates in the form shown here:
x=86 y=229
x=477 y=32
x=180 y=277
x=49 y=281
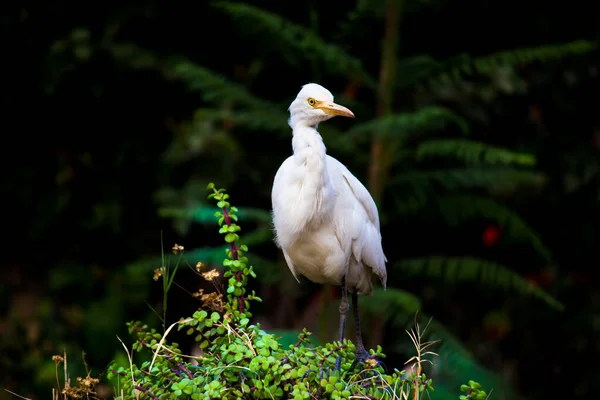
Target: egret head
x=315 y=104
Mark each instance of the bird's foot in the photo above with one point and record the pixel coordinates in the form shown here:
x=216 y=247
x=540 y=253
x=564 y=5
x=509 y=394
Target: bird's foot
x=363 y=357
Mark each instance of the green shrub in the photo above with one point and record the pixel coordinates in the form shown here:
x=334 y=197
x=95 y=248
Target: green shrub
x=239 y=360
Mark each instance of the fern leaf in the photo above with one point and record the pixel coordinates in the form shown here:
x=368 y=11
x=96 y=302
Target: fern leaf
x=467 y=269
x=215 y=88
x=472 y=152
x=456 y=209
x=406 y=125
x=256 y=119
x=465 y=65
x=504 y=179
x=399 y=308
x=305 y=42
x=132 y=55
x=391 y=299
x=412 y=69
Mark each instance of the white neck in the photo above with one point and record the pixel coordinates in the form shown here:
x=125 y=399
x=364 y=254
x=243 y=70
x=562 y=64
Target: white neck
x=309 y=148
x=311 y=168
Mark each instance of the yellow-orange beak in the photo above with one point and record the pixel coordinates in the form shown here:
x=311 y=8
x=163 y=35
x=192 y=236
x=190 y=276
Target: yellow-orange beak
x=334 y=109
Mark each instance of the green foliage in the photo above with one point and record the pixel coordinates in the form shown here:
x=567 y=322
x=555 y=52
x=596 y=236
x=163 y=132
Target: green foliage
x=214 y=87
x=240 y=360
x=464 y=65
x=467 y=269
x=262 y=119
x=494 y=179
x=404 y=126
x=472 y=392
x=413 y=69
x=306 y=43
x=401 y=301
x=472 y=152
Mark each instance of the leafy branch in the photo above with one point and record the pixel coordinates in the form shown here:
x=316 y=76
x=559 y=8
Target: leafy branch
x=499 y=179
x=461 y=269
x=464 y=65
x=472 y=152
x=406 y=125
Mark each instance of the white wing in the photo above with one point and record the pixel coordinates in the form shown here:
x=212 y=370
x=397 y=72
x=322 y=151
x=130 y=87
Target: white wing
x=363 y=222
x=282 y=196
x=290 y=265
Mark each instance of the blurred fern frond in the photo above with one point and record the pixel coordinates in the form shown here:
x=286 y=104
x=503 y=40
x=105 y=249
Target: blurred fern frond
x=472 y=152
x=402 y=309
x=456 y=209
x=214 y=87
x=406 y=125
x=132 y=55
x=505 y=179
x=465 y=65
x=461 y=269
x=264 y=119
x=305 y=42
x=398 y=300
x=413 y=69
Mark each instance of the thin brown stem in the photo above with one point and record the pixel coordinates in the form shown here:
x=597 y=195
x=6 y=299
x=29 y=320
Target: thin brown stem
x=380 y=158
x=149 y=393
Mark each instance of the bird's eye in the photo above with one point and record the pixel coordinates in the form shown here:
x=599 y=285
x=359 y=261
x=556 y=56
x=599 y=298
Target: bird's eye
x=312 y=102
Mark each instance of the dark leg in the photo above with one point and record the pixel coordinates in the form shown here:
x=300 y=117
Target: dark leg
x=344 y=307
x=362 y=354
x=360 y=347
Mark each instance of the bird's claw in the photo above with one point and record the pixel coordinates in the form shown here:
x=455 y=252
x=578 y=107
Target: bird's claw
x=363 y=357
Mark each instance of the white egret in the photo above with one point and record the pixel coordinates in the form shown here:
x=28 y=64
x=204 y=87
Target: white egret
x=325 y=220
